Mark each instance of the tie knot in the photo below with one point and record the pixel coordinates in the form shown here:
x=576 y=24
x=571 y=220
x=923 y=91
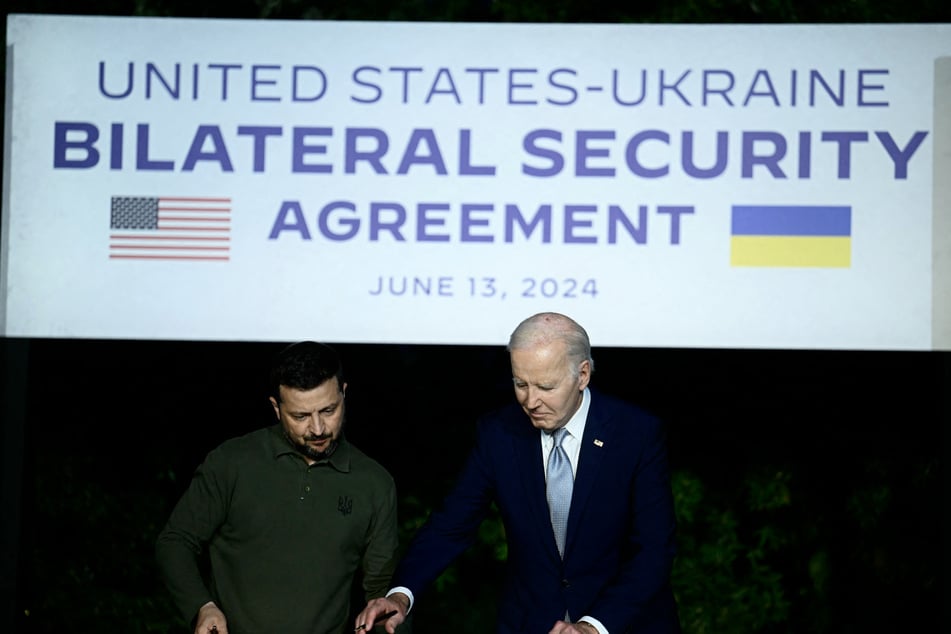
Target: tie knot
x=559 y=435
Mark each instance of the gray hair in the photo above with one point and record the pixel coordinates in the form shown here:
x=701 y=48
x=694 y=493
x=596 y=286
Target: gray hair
x=544 y=328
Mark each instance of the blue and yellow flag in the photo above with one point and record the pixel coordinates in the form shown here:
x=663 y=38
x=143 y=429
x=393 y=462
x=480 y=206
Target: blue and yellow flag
x=790 y=235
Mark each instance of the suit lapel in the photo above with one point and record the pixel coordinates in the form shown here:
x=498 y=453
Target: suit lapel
x=590 y=460
x=528 y=454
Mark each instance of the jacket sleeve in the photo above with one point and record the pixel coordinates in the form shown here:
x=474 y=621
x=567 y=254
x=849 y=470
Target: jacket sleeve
x=450 y=529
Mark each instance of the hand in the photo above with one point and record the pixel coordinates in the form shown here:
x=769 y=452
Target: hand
x=581 y=627
x=210 y=620
x=397 y=604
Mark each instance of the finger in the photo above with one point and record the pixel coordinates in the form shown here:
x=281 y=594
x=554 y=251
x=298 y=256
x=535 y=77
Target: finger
x=393 y=622
x=370 y=622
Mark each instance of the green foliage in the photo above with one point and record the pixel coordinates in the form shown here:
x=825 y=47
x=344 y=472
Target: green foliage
x=471 y=581
x=724 y=577
x=92 y=552
x=763 y=552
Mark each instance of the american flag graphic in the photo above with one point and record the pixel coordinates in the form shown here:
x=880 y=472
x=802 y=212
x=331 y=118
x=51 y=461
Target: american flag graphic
x=170 y=228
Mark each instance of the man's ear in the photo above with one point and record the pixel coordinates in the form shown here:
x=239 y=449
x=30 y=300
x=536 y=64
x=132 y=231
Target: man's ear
x=584 y=374
x=277 y=408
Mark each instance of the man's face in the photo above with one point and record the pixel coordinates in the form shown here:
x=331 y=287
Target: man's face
x=545 y=386
x=312 y=419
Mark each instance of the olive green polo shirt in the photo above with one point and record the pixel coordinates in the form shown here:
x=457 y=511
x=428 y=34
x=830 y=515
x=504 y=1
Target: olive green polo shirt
x=284 y=538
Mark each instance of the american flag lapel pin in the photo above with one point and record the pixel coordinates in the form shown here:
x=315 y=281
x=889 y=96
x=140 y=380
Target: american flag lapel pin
x=598 y=443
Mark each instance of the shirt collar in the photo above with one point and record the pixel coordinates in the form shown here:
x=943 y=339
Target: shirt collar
x=576 y=423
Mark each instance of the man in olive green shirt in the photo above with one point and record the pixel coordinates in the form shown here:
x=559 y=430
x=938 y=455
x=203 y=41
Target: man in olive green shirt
x=288 y=514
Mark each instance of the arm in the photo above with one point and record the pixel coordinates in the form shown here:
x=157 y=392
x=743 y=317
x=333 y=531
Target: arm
x=379 y=558
x=178 y=547
x=451 y=528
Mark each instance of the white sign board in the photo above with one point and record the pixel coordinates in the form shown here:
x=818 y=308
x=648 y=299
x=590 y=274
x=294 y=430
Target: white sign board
x=666 y=185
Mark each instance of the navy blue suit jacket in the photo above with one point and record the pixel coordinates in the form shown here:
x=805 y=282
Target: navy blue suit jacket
x=620 y=540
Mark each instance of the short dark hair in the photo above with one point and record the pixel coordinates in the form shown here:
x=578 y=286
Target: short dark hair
x=304 y=366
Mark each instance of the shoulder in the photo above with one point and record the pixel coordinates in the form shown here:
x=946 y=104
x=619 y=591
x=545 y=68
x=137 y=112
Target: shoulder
x=251 y=446
x=369 y=469
x=251 y=441
x=506 y=420
x=623 y=414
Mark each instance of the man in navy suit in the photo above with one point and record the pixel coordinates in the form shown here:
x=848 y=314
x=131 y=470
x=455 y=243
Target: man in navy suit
x=588 y=511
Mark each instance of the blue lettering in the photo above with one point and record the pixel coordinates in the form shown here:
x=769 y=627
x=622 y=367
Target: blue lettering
x=225 y=69
x=449 y=90
x=259 y=134
x=630 y=154
x=257 y=80
x=900 y=157
x=541 y=218
x=675 y=213
x=424 y=221
x=637 y=100
x=118 y=95
x=675 y=87
x=687 y=157
x=531 y=148
x=514 y=85
x=85 y=145
x=406 y=71
x=412 y=155
x=142 y=160
x=583 y=152
x=616 y=215
x=466 y=168
x=864 y=87
x=481 y=72
x=296 y=223
x=815 y=77
x=708 y=90
x=552 y=79
x=350 y=225
x=358 y=80
x=301 y=149
x=768 y=91
x=468 y=222
x=843 y=141
x=217 y=153
x=572 y=223
x=770 y=160
x=297 y=80
x=373 y=156
x=379 y=225
x=151 y=70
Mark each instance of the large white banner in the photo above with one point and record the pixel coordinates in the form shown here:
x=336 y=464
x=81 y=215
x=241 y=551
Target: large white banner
x=666 y=185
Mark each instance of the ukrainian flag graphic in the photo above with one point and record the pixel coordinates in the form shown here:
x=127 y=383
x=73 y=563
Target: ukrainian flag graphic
x=809 y=236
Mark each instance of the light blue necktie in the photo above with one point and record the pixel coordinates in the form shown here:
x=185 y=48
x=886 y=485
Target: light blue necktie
x=560 y=482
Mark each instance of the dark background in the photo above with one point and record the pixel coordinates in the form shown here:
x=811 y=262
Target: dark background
x=810 y=485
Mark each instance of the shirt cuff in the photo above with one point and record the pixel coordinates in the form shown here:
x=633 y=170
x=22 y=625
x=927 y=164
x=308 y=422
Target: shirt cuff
x=409 y=594
x=594 y=622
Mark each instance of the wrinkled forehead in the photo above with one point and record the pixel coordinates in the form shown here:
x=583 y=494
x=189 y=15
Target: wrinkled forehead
x=327 y=393
x=540 y=362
